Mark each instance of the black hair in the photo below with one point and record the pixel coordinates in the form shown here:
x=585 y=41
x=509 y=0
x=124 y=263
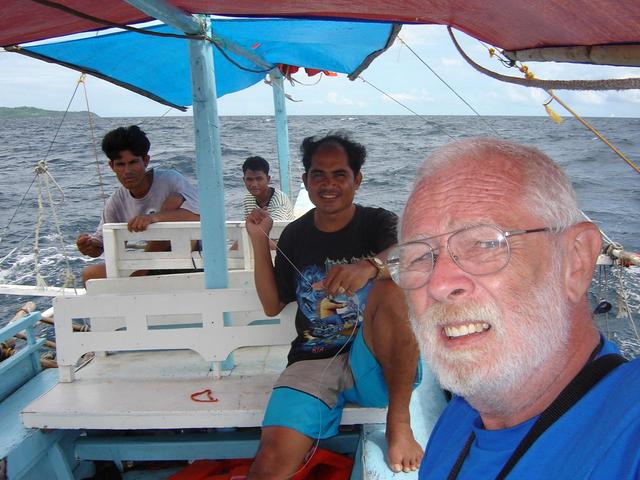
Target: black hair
x=356 y=152
x=125 y=138
x=257 y=164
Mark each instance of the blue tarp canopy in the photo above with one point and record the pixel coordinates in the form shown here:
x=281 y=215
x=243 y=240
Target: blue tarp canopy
x=158 y=67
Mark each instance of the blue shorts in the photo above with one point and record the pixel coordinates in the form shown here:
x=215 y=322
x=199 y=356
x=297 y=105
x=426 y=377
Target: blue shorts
x=301 y=411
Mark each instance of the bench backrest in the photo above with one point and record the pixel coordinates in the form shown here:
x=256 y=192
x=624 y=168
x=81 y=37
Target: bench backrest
x=121 y=259
x=210 y=322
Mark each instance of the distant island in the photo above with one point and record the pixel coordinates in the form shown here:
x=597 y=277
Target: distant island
x=26 y=112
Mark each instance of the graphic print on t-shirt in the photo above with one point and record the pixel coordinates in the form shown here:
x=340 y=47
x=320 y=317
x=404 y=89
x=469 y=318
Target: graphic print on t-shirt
x=333 y=321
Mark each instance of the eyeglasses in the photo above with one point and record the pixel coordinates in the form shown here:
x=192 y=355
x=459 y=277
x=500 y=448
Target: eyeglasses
x=478 y=250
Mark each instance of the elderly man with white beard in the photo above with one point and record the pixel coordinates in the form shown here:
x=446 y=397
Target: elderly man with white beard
x=496 y=261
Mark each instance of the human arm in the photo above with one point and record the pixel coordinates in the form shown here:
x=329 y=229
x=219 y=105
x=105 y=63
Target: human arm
x=89 y=245
x=378 y=230
x=170 y=211
x=258 y=225
x=349 y=278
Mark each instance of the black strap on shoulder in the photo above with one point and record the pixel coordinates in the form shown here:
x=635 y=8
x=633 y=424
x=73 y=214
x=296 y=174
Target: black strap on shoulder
x=591 y=374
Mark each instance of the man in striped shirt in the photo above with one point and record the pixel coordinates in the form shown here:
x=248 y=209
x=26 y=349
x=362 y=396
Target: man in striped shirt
x=260 y=195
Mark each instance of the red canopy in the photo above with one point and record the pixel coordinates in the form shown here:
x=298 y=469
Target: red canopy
x=509 y=24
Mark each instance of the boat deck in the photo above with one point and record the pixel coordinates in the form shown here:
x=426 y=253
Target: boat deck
x=152 y=390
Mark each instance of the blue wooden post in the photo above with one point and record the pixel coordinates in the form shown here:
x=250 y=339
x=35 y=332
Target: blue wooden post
x=209 y=162
x=206 y=126
x=207 y=135
x=282 y=130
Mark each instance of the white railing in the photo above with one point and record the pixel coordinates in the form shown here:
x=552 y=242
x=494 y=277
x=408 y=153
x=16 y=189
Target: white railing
x=121 y=259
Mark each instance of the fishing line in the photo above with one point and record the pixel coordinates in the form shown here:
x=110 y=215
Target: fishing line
x=426 y=120
x=450 y=87
x=309 y=455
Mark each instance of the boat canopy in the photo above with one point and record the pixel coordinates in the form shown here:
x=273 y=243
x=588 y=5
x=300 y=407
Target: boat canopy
x=511 y=25
x=126 y=58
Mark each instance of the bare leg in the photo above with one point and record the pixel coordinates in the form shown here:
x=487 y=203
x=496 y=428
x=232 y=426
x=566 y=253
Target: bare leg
x=281 y=453
x=388 y=335
x=94 y=271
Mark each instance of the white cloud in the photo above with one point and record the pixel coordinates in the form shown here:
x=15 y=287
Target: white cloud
x=422 y=35
x=336 y=98
x=591 y=98
x=451 y=62
x=413 y=95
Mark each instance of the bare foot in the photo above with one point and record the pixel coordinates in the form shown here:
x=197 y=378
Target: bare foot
x=404 y=453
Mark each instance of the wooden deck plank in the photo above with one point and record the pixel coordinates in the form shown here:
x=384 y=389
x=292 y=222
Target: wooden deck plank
x=149 y=390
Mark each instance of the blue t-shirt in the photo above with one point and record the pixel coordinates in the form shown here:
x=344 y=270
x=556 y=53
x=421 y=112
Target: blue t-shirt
x=598 y=438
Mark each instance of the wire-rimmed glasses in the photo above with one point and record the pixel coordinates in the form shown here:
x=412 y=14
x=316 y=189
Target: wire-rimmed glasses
x=478 y=250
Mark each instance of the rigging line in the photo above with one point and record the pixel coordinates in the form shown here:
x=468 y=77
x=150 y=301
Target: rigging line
x=6 y=228
x=426 y=120
x=19 y=244
x=234 y=62
x=184 y=36
x=93 y=137
x=450 y=87
x=109 y=23
x=64 y=115
x=611 y=84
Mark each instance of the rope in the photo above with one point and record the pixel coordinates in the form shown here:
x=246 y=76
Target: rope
x=82 y=80
x=611 y=84
x=36 y=243
x=69 y=278
x=529 y=75
x=450 y=87
x=426 y=120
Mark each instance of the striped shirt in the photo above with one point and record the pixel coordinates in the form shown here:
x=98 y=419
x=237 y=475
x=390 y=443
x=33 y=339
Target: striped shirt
x=279 y=206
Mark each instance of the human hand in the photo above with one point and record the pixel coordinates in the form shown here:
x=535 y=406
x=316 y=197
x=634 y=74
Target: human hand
x=140 y=223
x=89 y=245
x=259 y=223
x=348 y=278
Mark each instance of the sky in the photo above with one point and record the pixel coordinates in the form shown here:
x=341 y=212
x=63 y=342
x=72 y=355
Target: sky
x=398 y=73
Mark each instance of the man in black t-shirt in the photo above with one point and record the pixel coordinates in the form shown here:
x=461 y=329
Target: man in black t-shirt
x=329 y=262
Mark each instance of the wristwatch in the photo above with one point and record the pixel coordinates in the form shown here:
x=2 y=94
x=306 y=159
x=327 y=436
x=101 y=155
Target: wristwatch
x=380 y=266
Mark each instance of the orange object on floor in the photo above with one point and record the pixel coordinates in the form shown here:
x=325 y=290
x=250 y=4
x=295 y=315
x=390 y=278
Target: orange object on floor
x=324 y=465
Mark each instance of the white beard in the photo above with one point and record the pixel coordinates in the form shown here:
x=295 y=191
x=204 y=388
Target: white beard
x=537 y=328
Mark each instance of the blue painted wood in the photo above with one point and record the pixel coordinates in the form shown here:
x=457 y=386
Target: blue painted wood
x=35 y=353
x=242 y=443
x=26 y=448
x=207 y=137
x=59 y=463
x=282 y=130
x=169 y=14
x=18 y=369
x=209 y=163
x=10 y=330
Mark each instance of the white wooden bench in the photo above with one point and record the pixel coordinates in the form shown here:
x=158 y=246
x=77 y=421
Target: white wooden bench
x=121 y=259
x=164 y=346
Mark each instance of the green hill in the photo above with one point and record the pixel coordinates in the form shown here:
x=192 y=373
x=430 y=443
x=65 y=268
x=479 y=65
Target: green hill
x=25 y=112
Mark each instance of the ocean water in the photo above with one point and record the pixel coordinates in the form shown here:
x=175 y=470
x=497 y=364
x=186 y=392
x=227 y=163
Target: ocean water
x=608 y=189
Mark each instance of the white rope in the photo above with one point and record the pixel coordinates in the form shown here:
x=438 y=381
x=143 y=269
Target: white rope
x=36 y=243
